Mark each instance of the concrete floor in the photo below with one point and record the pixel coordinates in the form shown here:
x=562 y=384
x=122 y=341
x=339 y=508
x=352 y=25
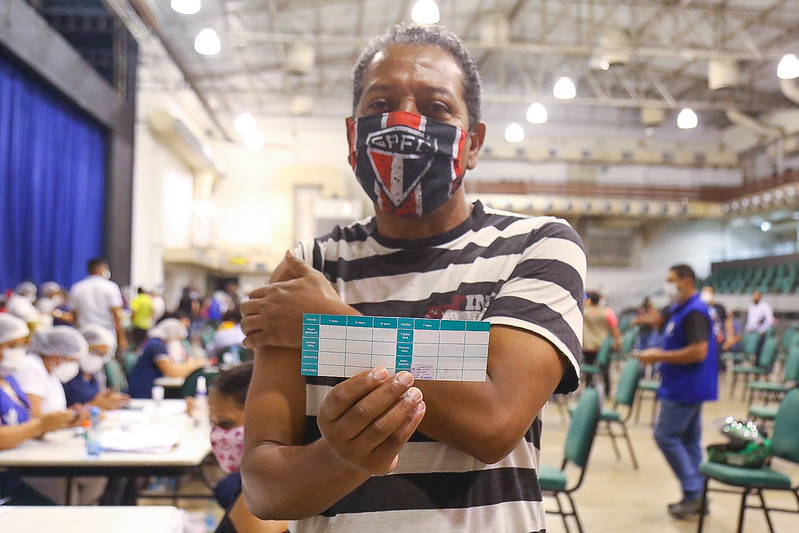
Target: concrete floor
x=616 y=498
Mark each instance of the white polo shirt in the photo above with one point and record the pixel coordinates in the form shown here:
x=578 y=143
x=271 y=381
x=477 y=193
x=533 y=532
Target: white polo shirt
x=33 y=378
x=93 y=298
x=759 y=317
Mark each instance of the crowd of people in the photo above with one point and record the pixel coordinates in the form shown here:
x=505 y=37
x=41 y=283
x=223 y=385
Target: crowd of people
x=54 y=347
x=318 y=448
x=684 y=341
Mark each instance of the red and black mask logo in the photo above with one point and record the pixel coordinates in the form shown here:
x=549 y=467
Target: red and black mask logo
x=409 y=165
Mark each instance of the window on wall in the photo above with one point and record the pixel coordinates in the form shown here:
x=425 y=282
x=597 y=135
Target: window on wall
x=52 y=183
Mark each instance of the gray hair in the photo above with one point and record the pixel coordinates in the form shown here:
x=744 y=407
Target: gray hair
x=438 y=36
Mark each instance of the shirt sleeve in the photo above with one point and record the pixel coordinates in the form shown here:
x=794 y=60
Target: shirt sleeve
x=30 y=379
x=613 y=321
x=696 y=327
x=114 y=296
x=544 y=293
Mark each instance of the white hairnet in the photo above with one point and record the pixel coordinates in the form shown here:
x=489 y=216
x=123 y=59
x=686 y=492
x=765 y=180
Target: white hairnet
x=98 y=335
x=26 y=288
x=12 y=328
x=49 y=288
x=169 y=328
x=60 y=340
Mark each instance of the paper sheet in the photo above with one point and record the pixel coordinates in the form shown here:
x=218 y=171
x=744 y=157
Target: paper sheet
x=446 y=350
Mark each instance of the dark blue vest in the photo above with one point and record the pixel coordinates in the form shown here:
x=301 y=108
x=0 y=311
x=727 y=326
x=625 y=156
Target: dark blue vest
x=696 y=382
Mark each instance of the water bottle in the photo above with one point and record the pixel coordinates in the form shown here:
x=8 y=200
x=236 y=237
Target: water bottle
x=200 y=411
x=93 y=447
x=209 y=519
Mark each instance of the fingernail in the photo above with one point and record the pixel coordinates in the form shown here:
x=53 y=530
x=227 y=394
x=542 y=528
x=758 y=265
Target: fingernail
x=380 y=373
x=404 y=378
x=414 y=394
x=290 y=253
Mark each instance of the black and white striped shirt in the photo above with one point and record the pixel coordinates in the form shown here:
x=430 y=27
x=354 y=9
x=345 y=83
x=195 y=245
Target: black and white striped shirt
x=504 y=268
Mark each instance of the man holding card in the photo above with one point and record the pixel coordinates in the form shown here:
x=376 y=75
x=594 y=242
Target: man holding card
x=382 y=449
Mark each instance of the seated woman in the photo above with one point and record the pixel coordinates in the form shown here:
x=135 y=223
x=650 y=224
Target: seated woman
x=228 y=334
x=86 y=387
x=226 y=413
x=17 y=424
x=155 y=362
x=53 y=360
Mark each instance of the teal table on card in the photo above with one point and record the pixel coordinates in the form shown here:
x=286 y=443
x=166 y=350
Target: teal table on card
x=342 y=346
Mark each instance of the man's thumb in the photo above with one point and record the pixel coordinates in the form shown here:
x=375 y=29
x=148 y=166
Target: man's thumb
x=297 y=266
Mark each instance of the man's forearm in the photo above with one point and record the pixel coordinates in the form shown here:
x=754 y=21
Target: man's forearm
x=488 y=419
x=693 y=353
x=277 y=484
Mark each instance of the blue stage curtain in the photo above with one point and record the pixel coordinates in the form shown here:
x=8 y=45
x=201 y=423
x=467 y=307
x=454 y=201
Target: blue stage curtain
x=52 y=183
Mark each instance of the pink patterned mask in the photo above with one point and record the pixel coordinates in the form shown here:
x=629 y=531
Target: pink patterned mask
x=228 y=446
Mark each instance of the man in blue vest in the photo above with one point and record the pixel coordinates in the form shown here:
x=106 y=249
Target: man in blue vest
x=689 y=376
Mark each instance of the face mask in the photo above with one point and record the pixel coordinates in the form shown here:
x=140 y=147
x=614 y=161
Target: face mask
x=91 y=364
x=706 y=297
x=228 y=446
x=408 y=164
x=107 y=274
x=672 y=292
x=65 y=372
x=12 y=359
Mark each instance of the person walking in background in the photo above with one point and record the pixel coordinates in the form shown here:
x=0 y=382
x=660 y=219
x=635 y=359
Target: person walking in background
x=97 y=300
x=599 y=322
x=689 y=377
x=141 y=316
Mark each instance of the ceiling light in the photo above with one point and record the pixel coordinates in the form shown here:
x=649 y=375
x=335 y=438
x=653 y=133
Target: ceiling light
x=186 y=7
x=687 y=119
x=536 y=113
x=244 y=123
x=207 y=42
x=765 y=225
x=604 y=65
x=253 y=140
x=788 y=67
x=514 y=133
x=425 y=12
x=564 y=89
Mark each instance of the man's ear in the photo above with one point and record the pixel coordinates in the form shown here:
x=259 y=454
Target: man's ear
x=476 y=137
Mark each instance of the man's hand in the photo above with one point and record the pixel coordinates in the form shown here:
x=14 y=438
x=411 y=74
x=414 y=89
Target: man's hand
x=648 y=356
x=273 y=314
x=367 y=419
